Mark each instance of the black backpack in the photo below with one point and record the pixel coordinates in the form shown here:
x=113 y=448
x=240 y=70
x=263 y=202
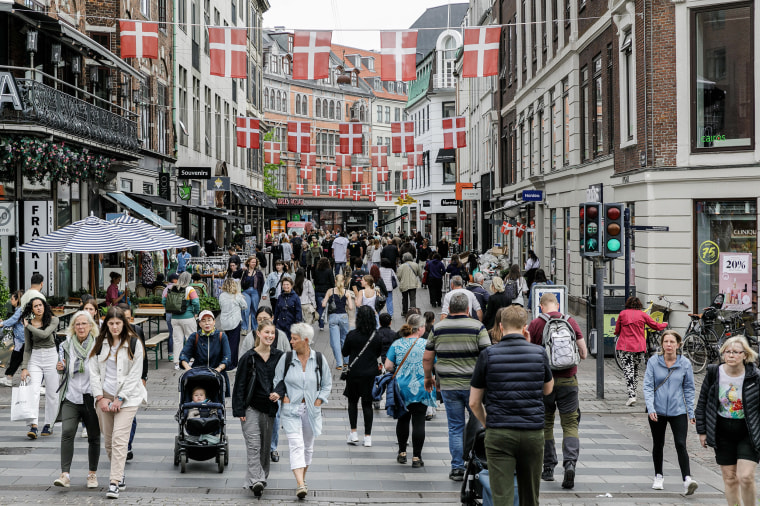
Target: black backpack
x=510 y=289
x=289 y=362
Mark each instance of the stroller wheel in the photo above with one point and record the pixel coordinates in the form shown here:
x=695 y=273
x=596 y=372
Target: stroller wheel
x=182 y=462
x=220 y=462
x=176 y=451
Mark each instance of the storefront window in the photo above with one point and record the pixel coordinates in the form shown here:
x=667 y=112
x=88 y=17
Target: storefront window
x=726 y=252
x=449 y=173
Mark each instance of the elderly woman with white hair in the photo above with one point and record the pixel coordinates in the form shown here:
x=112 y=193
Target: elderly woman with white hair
x=303 y=381
x=75 y=399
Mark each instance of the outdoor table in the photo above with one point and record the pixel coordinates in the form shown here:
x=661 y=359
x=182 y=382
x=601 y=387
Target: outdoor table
x=64 y=316
x=150 y=314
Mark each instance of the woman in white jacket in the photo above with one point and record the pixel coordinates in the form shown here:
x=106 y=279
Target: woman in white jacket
x=232 y=304
x=115 y=365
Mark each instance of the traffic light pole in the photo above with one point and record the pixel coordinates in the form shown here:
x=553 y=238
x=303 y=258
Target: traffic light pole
x=628 y=236
x=599 y=280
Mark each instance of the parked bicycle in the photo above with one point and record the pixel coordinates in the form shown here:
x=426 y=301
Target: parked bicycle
x=701 y=343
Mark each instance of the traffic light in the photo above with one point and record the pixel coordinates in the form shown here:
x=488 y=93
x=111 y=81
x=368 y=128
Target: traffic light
x=590 y=214
x=613 y=230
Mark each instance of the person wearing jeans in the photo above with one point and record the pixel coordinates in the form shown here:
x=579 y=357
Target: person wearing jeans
x=338 y=319
x=251 y=282
x=324 y=279
x=184 y=323
x=456 y=341
x=173 y=277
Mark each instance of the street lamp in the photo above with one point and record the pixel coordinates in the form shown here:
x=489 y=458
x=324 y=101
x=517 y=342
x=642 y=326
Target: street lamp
x=55 y=57
x=31 y=47
x=76 y=69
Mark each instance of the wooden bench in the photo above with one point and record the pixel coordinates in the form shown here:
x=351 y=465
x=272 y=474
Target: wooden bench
x=154 y=344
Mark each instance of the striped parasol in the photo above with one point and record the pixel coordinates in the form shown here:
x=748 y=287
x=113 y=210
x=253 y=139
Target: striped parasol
x=168 y=239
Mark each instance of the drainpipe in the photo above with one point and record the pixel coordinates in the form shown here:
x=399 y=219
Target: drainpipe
x=646 y=92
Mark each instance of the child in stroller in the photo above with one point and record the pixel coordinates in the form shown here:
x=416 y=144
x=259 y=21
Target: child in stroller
x=201 y=417
x=476 y=487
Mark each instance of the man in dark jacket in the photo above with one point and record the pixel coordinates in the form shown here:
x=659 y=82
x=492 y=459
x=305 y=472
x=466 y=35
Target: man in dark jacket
x=391 y=253
x=507 y=376
x=355 y=247
x=476 y=287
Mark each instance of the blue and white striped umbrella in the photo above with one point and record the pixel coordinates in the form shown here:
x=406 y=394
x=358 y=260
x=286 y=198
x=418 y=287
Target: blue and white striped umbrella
x=91 y=236
x=168 y=239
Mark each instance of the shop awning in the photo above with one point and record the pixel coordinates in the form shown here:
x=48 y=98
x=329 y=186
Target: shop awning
x=208 y=213
x=446 y=156
x=124 y=201
x=153 y=200
x=264 y=200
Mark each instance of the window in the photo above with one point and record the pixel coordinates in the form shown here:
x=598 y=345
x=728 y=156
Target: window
x=533 y=36
x=162 y=14
x=234 y=13
x=332 y=109
x=524 y=37
x=218 y=125
x=274 y=68
x=427 y=118
x=207 y=20
x=585 y=113
x=284 y=103
x=182 y=15
x=379 y=113
x=723 y=113
x=226 y=132
x=207 y=106
x=552 y=130
x=531 y=137
x=126 y=185
x=197 y=114
x=566 y=122
x=148 y=189
x=286 y=66
x=161 y=118
x=338 y=111
x=387 y=114
x=182 y=106
x=541 y=124
x=195 y=33
x=396 y=114
x=596 y=116
x=232 y=140
x=145 y=8
x=449 y=172
x=318 y=108
x=447 y=58
x=298 y=104
x=628 y=87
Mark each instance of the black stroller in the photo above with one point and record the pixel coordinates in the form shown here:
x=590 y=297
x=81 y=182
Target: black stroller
x=475 y=451
x=204 y=437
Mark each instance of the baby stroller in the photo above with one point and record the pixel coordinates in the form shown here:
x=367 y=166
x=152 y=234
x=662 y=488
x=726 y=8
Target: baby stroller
x=204 y=437
x=475 y=451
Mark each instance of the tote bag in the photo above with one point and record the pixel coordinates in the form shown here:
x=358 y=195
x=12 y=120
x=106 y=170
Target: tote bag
x=25 y=402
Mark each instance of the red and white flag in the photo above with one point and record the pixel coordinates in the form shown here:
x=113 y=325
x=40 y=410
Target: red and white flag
x=139 y=39
x=415 y=157
x=332 y=190
x=315 y=190
x=454 y=132
x=407 y=172
x=357 y=195
x=309 y=159
x=404 y=194
x=382 y=173
x=388 y=195
x=379 y=156
x=342 y=160
x=299 y=137
x=305 y=172
x=366 y=188
x=272 y=152
x=339 y=193
x=350 y=138
x=248 y=134
x=331 y=173
x=520 y=230
x=357 y=174
x=299 y=189
x=372 y=196
x=481 y=51
x=398 y=53
x=348 y=190
x=402 y=137
x=311 y=54
x=228 y=52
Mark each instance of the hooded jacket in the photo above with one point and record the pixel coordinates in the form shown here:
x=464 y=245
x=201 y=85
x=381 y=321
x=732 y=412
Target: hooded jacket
x=674 y=395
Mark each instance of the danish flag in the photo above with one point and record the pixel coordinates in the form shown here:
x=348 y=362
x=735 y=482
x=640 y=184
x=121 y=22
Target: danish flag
x=357 y=173
x=350 y=138
x=248 y=133
x=309 y=159
x=404 y=194
x=379 y=156
x=272 y=152
x=388 y=195
x=357 y=195
x=520 y=230
x=331 y=173
x=315 y=190
x=139 y=39
x=372 y=196
x=382 y=173
x=299 y=136
x=299 y=189
x=415 y=157
x=305 y=172
x=504 y=227
x=228 y=52
x=332 y=190
x=454 y=133
x=342 y=160
x=348 y=191
x=481 y=51
x=407 y=172
x=366 y=188
x=398 y=53
x=402 y=137
x=311 y=54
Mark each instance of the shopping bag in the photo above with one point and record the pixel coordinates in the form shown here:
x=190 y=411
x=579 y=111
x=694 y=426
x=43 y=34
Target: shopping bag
x=25 y=402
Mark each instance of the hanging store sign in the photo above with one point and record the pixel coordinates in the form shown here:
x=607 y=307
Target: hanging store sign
x=7 y=218
x=470 y=194
x=38 y=217
x=448 y=202
x=9 y=91
x=193 y=172
x=164 y=188
x=218 y=184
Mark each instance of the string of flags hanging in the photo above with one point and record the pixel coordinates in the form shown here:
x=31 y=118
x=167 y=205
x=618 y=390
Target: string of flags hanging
x=518 y=228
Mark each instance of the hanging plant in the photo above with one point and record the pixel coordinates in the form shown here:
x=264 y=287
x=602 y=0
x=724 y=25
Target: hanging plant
x=44 y=160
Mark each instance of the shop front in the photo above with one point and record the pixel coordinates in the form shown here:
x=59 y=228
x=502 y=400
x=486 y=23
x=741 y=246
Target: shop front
x=725 y=245
x=328 y=214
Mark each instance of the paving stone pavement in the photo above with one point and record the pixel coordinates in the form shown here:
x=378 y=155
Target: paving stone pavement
x=614 y=460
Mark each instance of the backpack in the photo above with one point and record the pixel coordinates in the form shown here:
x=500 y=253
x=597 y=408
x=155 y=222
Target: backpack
x=510 y=289
x=560 y=342
x=318 y=357
x=176 y=302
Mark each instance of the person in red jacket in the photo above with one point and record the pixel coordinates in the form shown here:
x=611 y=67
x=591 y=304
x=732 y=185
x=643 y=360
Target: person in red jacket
x=632 y=341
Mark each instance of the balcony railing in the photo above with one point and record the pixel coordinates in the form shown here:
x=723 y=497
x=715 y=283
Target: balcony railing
x=53 y=108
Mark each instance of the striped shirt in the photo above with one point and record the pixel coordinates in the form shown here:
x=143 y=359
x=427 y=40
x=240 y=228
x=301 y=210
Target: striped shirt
x=457 y=341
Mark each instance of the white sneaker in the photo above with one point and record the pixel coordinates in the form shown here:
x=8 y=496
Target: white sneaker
x=367 y=441
x=176 y=367
x=6 y=382
x=631 y=401
x=42 y=390
x=689 y=486
x=84 y=433
x=352 y=438
x=658 y=482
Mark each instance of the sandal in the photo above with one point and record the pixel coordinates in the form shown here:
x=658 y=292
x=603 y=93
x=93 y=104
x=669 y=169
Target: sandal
x=401 y=458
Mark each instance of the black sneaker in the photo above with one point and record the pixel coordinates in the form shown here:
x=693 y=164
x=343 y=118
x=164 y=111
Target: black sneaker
x=420 y=463
x=123 y=483
x=456 y=474
x=376 y=404
x=257 y=489
x=569 y=480
x=113 y=491
x=547 y=474
x=274 y=456
x=130 y=455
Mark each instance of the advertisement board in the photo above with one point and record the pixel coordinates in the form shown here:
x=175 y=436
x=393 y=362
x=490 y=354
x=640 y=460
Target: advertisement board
x=735 y=279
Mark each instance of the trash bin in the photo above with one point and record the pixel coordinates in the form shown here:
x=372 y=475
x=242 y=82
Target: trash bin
x=614 y=303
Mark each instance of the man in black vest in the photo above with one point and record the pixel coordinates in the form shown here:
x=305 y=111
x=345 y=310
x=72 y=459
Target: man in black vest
x=507 y=375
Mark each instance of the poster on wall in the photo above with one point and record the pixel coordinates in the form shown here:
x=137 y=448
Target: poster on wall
x=39 y=215
x=735 y=273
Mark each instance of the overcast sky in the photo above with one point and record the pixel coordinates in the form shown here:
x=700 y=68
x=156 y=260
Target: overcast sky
x=354 y=22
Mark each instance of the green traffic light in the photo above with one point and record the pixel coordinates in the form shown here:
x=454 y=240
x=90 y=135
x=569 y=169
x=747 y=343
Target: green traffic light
x=613 y=245
x=591 y=244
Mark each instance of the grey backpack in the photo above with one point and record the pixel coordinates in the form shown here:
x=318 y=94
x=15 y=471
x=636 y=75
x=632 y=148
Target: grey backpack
x=560 y=342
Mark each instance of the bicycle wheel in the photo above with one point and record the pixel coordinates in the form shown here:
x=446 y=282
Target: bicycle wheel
x=695 y=349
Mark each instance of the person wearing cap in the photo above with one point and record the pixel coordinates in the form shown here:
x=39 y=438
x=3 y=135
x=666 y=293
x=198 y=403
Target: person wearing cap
x=172 y=280
x=207 y=347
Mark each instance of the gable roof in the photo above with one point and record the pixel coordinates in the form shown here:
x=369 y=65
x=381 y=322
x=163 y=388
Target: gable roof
x=437 y=18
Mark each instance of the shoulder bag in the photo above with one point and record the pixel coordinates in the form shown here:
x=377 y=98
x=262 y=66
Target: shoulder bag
x=662 y=383
x=347 y=369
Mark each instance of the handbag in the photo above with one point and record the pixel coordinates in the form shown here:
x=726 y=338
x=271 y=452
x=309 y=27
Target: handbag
x=25 y=402
x=273 y=290
x=379 y=300
x=347 y=369
x=331 y=305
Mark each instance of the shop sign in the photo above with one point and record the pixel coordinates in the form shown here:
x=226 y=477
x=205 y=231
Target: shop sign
x=193 y=172
x=532 y=195
x=38 y=216
x=289 y=202
x=218 y=184
x=425 y=203
x=164 y=180
x=448 y=202
x=184 y=191
x=9 y=91
x=7 y=218
x=708 y=252
x=470 y=194
x=743 y=233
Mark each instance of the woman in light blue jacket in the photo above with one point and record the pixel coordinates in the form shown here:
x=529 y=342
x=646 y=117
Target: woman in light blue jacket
x=304 y=385
x=669 y=396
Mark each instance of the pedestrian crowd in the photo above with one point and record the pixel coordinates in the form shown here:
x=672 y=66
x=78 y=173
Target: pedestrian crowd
x=485 y=360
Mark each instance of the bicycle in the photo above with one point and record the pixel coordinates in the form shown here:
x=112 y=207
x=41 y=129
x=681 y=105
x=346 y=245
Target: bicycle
x=701 y=344
x=659 y=314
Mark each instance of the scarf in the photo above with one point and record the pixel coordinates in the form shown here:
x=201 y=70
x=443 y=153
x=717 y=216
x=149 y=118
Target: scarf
x=82 y=351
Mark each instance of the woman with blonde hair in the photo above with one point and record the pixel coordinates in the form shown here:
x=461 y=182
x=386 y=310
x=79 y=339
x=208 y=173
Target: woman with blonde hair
x=338 y=302
x=232 y=304
x=75 y=399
